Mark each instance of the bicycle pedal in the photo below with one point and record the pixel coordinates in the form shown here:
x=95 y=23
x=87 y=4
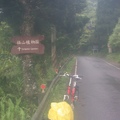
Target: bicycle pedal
x=66 y=97
x=76 y=97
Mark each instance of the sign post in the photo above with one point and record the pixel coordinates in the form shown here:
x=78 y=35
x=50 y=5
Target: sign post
x=27 y=46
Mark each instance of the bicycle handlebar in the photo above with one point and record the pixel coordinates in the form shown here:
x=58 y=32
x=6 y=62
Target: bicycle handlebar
x=74 y=76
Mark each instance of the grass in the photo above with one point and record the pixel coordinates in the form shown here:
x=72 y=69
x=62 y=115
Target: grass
x=10 y=110
x=13 y=107
x=114 y=57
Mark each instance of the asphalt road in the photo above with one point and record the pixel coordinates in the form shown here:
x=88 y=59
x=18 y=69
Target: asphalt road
x=99 y=97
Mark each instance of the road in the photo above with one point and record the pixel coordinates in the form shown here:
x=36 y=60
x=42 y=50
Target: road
x=99 y=90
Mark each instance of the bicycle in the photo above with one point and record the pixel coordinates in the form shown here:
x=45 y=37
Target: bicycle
x=72 y=89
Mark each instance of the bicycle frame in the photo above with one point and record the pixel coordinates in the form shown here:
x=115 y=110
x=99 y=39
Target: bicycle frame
x=71 y=89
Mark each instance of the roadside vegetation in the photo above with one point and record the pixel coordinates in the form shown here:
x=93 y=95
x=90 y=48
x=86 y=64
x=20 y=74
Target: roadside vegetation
x=115 y=57
x=80 y=25
x=59 y=90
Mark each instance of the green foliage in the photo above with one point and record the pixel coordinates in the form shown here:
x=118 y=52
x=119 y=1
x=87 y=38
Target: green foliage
x=10 y=69
x=114 y=38
x=10 y=78
x=86 y=39
x=114 y=57
x=62 y=14
x=57 y=12
x=108 y=13
x=43 y=68
x=9 y=64
x=44 y=74
x=59 y=91
x=5 y=35
x=12 y=13
x=11 y=109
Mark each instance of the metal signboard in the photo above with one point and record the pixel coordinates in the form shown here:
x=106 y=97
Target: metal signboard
x=27 y=39
x=28 y=44
x=23 y=49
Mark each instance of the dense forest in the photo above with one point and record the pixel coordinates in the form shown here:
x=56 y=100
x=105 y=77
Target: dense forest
x=78 y=26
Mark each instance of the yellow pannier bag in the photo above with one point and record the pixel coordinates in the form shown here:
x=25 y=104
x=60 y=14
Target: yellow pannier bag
x=60 y=111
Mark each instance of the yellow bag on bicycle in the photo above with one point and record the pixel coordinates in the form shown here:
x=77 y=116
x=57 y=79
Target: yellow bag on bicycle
x=60 y=111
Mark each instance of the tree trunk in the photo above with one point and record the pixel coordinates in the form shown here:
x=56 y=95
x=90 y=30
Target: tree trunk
x=53 y=46
x=30 y=86
x=109 y=48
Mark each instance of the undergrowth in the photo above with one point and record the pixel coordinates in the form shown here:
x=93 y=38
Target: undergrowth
x=114 y=57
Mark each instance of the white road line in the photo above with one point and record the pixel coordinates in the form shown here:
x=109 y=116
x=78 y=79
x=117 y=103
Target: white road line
x=76 y=67
x=112 y=65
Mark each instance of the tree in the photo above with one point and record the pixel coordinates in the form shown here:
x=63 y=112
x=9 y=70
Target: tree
x=107 y=17
x=114 y=38
x=25 y=29
x=28 y=17
x=86 y=39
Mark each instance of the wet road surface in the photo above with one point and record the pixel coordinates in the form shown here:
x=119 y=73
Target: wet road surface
x=99 y=96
